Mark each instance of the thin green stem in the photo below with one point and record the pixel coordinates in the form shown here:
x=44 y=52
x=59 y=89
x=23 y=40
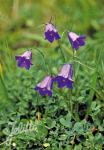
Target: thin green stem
x=44 y=61
x=69 y=107
x=83 y=65
x=76 y=105
x=62 y=53
x=73 y=62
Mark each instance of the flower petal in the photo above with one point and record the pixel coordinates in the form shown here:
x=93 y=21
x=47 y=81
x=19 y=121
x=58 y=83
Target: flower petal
x=75 y=45
x=45 y=87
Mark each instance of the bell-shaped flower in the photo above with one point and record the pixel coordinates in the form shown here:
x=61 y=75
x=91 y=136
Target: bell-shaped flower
x=76 y=40
x=64 y=78
x=24 y=60
x=45 y=86
x=51 y=33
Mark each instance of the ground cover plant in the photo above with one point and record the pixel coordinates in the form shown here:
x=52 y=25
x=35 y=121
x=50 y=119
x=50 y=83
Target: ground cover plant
x=51 y=75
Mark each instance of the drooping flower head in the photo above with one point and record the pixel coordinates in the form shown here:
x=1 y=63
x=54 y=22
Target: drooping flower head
x=76 y=40
x=64 y=78
x=51 y=33
x=24 y=60
x=45 y=86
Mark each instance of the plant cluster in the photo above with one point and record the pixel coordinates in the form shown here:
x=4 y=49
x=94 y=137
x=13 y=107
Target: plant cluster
x=53 y=117
x=64 y=77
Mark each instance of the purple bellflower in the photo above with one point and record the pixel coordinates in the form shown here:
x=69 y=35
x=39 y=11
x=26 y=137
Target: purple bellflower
x=51 y=33
x=76 y=40
x=24 y=60
x=45 y=87
x=64 y=78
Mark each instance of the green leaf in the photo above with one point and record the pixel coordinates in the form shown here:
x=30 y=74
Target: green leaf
x=66 y=123
x=78 y=127
x=78 y=147
x=51 y=123
x=63 y=137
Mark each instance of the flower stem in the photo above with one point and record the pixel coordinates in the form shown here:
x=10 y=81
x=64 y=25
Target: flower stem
x=76 y=105
x=73 y=62
x=63 y=56
x=44 y=61
x=70 y=104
